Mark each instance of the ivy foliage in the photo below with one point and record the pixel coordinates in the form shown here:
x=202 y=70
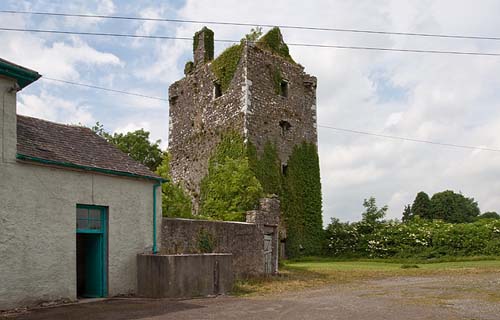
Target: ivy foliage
x=230 y=188
x=277 y=80
x=188 y=67
x=302 y=202
x=273 y=41
x=224 y=67
x=175 y=201
x=267 y=168
x=208 y=42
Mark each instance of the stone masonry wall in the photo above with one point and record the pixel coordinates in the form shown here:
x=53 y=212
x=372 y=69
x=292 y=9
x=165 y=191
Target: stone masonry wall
x=244 y=240
x=269 y=108
x=197 y=120
x=250 y=106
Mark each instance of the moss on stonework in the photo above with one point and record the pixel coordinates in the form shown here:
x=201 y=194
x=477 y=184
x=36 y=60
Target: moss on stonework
x=277 y=79
x=273 y=41
x=208 y=41
x=188 y=67
x=224 y=67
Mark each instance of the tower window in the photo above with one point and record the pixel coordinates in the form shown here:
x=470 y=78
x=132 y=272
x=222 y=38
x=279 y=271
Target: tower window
x=284 y=88
x=217 y=90
x=284 y=169
x=285 y=127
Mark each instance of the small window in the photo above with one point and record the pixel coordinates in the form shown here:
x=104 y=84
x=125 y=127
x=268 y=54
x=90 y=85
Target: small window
x=284 y=169
x=284 y=88
x=217 y=90
x=285 y=127
x=89 y=218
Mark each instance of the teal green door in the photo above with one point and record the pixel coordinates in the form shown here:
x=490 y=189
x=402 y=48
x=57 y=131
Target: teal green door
x=91 y=253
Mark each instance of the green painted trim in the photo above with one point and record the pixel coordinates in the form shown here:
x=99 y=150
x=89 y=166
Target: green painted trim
x=23 y=76
x=86 y=168
x=103 y=244
x=155 y=248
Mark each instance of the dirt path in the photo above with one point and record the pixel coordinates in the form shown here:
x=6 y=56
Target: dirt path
x=472 y=296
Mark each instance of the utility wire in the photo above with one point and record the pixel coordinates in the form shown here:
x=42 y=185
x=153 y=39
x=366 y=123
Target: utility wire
x=407 y=139
x=125 y=35
x=105 y=89
x=434 y=35
x=319 y=125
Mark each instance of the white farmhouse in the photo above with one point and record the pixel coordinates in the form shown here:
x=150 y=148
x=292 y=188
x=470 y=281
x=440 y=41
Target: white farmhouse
x=74 y=210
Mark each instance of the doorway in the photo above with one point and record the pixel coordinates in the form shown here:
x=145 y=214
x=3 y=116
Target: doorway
x=91 y=251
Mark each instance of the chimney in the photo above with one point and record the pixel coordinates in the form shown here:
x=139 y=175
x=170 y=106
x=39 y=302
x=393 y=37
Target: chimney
x=203 y=46
x=12 y=79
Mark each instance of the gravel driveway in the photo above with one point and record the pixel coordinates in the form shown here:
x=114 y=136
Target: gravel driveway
x=472 y=296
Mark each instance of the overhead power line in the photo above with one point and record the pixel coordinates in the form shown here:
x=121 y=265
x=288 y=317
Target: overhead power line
x=319 y=125
x=105 y=89
x=407 y=139
x=208 y=22
x=125 y=35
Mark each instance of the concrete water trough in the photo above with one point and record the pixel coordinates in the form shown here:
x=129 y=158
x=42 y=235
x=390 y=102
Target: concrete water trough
x=184 y=275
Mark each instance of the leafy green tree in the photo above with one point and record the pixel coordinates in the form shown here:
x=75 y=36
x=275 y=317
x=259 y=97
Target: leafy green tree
x=489 y=215
x=230 y=188
x=407 y=214
x=301 y=202
x=373 y=214
x=175 y=201
x=135 y=144
x=453 y=207
x=421 y=206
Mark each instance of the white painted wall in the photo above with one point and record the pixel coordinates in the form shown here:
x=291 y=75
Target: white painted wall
x=38 y=224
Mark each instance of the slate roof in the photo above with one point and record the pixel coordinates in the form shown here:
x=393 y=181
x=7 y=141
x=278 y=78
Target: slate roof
x=73 y=145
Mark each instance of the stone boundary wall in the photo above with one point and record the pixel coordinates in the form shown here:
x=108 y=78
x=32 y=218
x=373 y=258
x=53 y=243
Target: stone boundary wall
x=244 y=240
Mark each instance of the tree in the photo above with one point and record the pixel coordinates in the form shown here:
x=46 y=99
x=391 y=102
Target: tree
x=135 y=144
x=230 y=188
x=407 y=214
x=453 y=207
x=175 y=201
x=489 y=215
x=421 y=205
x=373 y=214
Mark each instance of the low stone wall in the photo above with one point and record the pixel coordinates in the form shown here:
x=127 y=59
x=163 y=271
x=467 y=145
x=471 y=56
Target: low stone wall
x=183 y=276
x=244 y=240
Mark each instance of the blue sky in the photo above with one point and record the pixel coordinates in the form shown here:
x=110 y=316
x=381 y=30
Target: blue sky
x=453 y=99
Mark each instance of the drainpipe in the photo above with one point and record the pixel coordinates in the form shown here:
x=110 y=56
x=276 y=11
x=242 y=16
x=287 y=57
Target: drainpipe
x=155 y=187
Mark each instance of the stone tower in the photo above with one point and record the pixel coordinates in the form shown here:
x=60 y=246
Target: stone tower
x=254 y=88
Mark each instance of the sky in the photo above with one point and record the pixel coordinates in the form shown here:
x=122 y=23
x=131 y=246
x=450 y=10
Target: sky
x=444 y=98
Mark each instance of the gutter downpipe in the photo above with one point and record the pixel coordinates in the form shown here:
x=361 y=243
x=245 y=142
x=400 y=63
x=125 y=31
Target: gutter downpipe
x=155 y=187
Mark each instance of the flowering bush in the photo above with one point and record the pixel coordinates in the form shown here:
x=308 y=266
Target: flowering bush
x=416 y=238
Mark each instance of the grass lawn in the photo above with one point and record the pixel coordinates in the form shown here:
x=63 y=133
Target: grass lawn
x=316 y=272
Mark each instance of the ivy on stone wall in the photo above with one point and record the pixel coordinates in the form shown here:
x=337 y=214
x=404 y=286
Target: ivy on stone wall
x=208 y=42
x=267 y=168
x=224 y=67
x=230 y=188
x=301 y=202
x=188 y=67
x=273 y=41
x=277 y=80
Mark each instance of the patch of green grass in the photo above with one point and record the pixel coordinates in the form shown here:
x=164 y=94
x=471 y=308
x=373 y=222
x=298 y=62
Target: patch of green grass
x=310 y=273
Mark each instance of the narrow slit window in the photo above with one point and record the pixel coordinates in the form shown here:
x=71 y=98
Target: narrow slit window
x=284 y=88
x=284 y=169
x=217 y=90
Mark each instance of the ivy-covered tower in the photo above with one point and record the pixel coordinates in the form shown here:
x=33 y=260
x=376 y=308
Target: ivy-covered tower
x=254 y=89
